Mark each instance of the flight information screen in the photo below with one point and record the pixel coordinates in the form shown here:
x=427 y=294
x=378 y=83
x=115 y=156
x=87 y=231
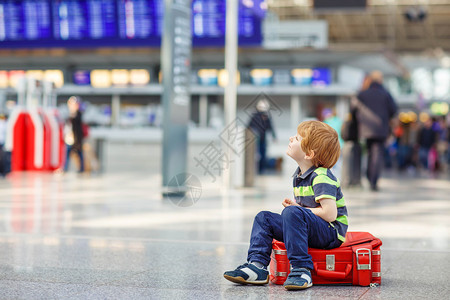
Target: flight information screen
x=139 y=19
x=76 y=20
x=96 y=23
x=25 y=20
x=208 y=22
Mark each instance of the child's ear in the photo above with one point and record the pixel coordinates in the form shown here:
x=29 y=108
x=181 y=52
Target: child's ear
x=310 y=155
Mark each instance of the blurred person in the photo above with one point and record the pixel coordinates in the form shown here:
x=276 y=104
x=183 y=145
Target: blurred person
x=374 y=108
x=426 y=139
x=260 y=123
x=390 y=151
x=434 y=162
x=366 y=83
x=3 y=124
x=448 y=145
x=405 y=145
x=414 y=134
x=316 y=218
x=351 y=152
x=3 y=155
x=73 y=132
x=329 y=117
x=448 y=141
x=441 y=145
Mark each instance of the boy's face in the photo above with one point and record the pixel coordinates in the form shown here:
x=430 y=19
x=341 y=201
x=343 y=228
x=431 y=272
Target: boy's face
x=294 y=149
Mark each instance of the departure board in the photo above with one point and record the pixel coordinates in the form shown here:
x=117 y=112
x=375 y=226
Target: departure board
x=136 y=19
x=209 y=18
x=91 y=19
x=25 y=20
x=97 y=23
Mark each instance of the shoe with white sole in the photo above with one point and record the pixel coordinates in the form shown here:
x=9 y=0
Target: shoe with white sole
x=298 y=279
x=248 y=274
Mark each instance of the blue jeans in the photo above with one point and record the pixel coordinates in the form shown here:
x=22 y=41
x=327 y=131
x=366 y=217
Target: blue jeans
x=448 y=154
x=423 y=156
x=404 y=155
x=298 y=228
x=69 y=149
x=262 y=147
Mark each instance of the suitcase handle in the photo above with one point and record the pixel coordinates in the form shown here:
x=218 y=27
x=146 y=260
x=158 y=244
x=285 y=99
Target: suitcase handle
x=333 y=274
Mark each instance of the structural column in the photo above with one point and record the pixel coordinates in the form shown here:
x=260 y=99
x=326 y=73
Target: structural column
x=295 y=111
x=342 y=107
x=176 y=68
x=230 y=98
x=115 y=110
x=203 y=110
x=2 y=101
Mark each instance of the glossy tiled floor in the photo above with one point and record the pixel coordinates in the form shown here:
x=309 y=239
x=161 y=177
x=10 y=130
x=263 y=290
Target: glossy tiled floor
x=114 y=237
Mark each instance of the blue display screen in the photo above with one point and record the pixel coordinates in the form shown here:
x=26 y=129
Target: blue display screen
x=97 y=23
x=314 y=77
x=321 y=77
x=25 y=20
x=78 y=20
x=208 y=22
x=82 y=77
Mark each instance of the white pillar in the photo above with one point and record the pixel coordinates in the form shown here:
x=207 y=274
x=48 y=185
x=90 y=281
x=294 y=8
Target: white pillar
x=295 y=111
x=2 y=101
x=342 y=107
x=203 y=111
x=239 y=163
x=231 y=40
x=115 y=110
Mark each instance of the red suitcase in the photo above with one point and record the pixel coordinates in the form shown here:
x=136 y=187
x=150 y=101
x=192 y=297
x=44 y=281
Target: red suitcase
x=356 y=262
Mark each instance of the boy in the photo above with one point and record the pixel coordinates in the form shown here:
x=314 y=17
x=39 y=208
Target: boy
x=317 y=218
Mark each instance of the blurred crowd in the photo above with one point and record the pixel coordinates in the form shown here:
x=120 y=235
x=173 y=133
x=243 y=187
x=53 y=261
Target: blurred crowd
x=419 y=142
x=389 y=138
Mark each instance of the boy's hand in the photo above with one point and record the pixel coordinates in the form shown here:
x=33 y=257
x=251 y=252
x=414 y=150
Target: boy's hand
x=288 y=202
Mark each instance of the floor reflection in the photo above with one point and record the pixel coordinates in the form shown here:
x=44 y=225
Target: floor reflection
x=116 y=233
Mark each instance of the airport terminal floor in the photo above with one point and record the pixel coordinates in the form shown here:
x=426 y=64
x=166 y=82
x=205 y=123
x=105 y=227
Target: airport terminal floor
x=113 y=236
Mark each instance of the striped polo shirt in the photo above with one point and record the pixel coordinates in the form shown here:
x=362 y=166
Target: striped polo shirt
x=319 y=183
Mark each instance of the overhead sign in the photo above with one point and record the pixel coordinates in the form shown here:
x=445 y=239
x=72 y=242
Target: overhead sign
x=95 y=23
x=331 y=5
x=295 y=34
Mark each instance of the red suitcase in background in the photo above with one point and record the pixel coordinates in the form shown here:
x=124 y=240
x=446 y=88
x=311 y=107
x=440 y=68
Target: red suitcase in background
x=356 y=262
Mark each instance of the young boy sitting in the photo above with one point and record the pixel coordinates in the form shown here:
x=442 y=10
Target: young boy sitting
x=317 y=218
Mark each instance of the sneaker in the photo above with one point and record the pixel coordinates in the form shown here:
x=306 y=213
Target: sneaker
x=248 y=274
x=298 y=279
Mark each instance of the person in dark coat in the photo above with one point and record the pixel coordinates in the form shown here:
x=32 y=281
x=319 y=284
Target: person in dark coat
x=352 y=152
x=426 y=139
x=374 y=107
x=5 y=157
x=448 y=142
x=260 y=123
x=73 y=132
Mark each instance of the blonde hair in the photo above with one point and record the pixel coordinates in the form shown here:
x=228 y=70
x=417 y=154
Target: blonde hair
x=323 y=140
